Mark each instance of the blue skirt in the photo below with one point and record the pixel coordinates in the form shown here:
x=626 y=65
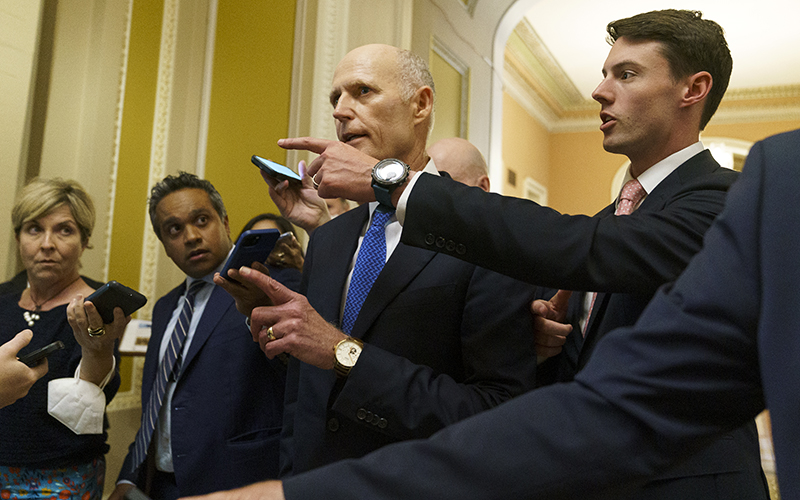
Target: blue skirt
x=77 y=482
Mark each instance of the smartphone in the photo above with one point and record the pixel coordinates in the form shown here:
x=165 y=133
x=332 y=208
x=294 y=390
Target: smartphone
x=276 y=169
x=135 y=494
x=114 y=294
x=254 y=245
x=35 y=357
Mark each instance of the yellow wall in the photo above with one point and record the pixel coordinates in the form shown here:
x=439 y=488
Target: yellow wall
x=526 y=148
x=447 y=119
x=249 y=112
x=573 y=165
x=750 y=131
x=134 y=154
x=251 y=92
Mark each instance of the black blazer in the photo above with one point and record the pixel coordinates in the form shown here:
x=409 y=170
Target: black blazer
x=702 y=359
x=623 y=258
x=444 y=340
x=227 y=406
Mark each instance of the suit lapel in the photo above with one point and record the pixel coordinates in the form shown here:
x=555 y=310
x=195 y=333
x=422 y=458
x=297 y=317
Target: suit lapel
x=699 y=164
x=334 y=267
x=401 y=268
x=218 y=304
x=161 y=316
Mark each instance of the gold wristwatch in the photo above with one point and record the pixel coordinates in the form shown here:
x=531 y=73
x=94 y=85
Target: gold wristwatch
x=345 y=355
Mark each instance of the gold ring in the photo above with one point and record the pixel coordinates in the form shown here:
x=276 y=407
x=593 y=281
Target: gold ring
x=270 y=334
x=314 y=181
x=97 y=332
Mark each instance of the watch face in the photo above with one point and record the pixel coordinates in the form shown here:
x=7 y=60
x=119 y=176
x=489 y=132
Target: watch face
x=390 y=172
x=347 y=353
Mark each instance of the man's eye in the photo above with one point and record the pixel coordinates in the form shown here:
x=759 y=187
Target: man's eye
x=173 y=230
x=202 y=220
x=625 y=75
x=364 y=90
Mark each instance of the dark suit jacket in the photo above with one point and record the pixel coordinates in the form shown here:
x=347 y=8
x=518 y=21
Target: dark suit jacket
x=699 y=362
x=227 y=406
x=444 y=340
x=610 y=255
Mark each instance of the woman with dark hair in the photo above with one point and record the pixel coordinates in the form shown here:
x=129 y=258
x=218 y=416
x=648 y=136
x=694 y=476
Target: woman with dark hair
x=288 y=254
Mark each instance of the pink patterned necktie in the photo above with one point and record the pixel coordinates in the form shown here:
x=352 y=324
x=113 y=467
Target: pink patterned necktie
x=632 y=193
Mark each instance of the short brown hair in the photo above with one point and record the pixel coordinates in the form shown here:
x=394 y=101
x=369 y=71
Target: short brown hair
x=690 y=44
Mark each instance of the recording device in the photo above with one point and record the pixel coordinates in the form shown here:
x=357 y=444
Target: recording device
x=35 y=357
x=114 y=294
x=276 y=169
x=254 y=245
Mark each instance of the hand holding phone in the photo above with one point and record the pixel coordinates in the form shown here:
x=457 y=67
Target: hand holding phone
x=114 y=294
x=254 y=245
x=276 y=169
x=35 y=357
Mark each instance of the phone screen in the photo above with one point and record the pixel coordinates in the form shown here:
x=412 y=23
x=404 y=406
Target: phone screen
x=33 y=358
x=275 y=169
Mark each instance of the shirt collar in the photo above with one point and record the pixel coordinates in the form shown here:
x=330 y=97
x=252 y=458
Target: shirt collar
x=653 y=176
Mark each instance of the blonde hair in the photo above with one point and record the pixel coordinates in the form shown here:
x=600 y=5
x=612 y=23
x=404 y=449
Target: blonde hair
x=41 y=196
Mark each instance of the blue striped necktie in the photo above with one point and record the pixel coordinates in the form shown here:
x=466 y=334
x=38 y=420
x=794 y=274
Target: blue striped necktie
x=371 y=259
x=168 y=369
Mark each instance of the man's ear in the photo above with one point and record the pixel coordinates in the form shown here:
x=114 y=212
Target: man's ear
x=423 y=103
x=483 y=183
x=697 y=88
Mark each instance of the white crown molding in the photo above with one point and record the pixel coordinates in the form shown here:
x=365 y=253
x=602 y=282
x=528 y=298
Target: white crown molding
x=158 y=149
x=112 y=184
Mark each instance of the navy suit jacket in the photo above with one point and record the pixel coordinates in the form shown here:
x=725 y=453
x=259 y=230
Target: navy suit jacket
x=227 y=406
x=625 y=259
x=443 y=340
x=700 y=361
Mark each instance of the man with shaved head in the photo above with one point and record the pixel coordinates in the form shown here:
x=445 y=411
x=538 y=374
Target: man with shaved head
x=462 y=160
x=428 y=339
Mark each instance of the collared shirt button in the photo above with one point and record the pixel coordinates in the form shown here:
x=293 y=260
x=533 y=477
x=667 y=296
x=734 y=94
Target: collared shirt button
x=461 y=249
x=451 y=245
x=361 y=414
x=333 y=424
x=429 y=239
x=440 y=242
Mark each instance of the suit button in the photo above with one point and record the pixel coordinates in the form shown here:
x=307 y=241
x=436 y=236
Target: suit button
x=429 y=239
x=382 y=423
x=333 y=424
x=440 y=242
x=361 y=414
x=461 y=249
x=451 y=245
x=370 y=415
x=375 y=420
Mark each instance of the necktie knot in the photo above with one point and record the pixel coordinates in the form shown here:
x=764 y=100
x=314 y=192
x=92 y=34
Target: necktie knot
x=632 y=193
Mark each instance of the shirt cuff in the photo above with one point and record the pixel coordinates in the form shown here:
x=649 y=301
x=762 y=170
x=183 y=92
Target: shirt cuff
x=400 y=211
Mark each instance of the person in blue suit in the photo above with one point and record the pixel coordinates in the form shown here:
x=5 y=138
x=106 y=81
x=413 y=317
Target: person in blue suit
x=439 y=339
x=219 y=422
x=662 y=81
x=709 y=353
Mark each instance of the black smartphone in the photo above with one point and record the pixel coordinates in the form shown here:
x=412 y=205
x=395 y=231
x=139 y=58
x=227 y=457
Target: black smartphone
x=135 y=494
x=114 y=294
x=254 y=245
x=35 y=357
x=276 y=169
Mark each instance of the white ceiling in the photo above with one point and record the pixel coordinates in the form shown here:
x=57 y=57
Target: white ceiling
x=763 y=35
